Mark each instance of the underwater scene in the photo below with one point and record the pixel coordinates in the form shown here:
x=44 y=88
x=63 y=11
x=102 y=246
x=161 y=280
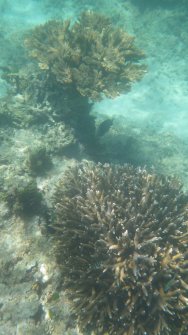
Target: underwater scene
x=94 y=167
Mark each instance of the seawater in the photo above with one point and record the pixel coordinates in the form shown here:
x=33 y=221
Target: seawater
x=149 y=129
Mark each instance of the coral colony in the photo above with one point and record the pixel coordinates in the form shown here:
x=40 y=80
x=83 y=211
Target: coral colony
x=122 y=241
x=80 y=63
x=90 y=56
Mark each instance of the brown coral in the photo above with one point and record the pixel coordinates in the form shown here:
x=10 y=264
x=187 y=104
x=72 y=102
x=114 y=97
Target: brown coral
x=122 y=241
x=91 y=56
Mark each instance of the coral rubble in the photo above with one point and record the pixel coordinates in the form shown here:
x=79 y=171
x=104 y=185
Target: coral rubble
x=122 y=239
x=90 y=56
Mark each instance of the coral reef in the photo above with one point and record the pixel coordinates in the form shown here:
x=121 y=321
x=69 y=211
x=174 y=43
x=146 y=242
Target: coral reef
x=122 y=239
x=18 y=112
x=78 y=63
x=90 y=56
x=35 y=101
x=60 y=139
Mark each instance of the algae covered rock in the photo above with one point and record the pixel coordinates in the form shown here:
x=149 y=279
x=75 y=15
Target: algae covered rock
x=90 y=56
x=122 y=239
x=39 y=160
x=23 y=197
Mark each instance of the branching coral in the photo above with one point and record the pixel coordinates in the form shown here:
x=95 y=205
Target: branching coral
x=122 y=239
x=90 y=56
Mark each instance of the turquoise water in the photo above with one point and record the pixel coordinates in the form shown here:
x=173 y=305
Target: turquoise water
x=161 y=31
x=43 y=130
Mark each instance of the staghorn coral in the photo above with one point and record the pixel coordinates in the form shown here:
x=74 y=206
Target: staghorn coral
x=90 y=55
x=122 y=240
